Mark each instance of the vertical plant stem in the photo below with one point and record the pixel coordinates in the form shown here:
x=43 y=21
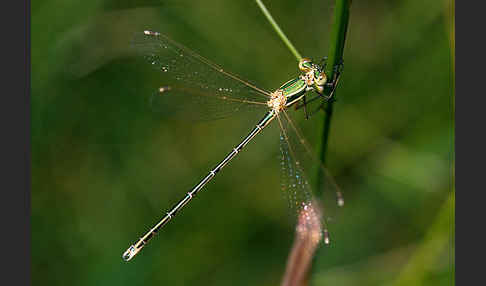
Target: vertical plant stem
x=279 y=31
x=301 y=256
x=335 y=56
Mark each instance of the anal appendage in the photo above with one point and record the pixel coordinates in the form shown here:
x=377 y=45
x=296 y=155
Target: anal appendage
x=132 y=251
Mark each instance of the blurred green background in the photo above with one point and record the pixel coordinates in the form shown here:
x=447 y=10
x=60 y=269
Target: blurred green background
x=104 y=168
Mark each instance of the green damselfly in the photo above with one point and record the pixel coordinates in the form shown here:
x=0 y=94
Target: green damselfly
x=194 y=75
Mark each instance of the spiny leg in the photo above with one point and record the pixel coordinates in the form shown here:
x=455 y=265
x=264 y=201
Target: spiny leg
x=327 y=99
x=330 y=98
x=335 y=80
x=299 y=106
x=305 y=107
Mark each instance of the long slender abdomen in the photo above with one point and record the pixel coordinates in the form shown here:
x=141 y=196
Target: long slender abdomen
x=135 y=248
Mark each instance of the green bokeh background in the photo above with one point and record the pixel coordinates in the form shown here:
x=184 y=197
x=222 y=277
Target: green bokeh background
x=104 y=167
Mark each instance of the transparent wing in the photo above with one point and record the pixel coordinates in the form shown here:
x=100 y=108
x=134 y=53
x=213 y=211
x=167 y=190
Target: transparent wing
x=298 y=190
x=306 y=154
x=192 y=104
x=187 y=73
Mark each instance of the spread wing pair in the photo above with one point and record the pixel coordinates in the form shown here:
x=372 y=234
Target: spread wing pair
x=194 y=87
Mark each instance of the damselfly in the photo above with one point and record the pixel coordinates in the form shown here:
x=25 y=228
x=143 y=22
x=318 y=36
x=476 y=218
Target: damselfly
x=195 y=75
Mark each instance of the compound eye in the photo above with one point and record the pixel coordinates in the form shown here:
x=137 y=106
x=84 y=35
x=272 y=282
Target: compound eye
x=305 y=65
x=321 y=79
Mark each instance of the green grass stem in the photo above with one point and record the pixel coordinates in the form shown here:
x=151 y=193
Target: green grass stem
x=279 y=31
x=335 y=56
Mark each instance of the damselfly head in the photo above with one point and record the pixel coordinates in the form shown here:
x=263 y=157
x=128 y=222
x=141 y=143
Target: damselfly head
x=313 y=74
x=306 y=65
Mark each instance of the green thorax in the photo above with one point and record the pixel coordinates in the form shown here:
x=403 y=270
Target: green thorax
x=294 y=89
